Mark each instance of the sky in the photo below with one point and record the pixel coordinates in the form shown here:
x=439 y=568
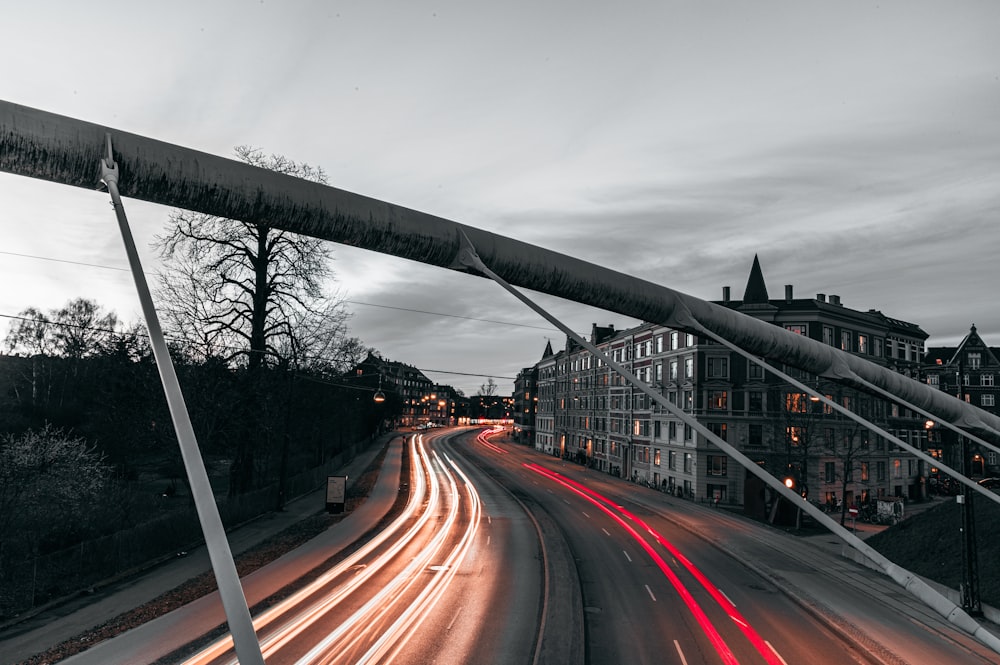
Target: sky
x=853 y=146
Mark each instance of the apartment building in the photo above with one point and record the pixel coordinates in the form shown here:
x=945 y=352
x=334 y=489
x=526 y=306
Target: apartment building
x=589 y=414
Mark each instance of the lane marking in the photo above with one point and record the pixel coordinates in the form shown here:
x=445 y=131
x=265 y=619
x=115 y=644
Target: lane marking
x=650 y=592
x=680 y=653
x=771 y=646
x=627 y=556
x=585 y=514
x=605 y=531
x=726 y=597
x=488 y=539
x=454 y=619
x=566 y=502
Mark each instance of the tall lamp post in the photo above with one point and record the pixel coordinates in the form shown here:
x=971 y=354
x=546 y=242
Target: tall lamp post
x=971 y=602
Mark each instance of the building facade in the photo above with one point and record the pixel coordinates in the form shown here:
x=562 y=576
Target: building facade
x=969 y=371
x=587 y=413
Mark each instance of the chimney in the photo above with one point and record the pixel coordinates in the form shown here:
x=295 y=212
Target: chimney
x=835 y=300
x=821 y=297
x=788 y=293
x=725 y=294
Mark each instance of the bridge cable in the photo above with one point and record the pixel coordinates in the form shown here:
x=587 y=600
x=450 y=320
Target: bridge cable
x=912 y=583
x=233 y=600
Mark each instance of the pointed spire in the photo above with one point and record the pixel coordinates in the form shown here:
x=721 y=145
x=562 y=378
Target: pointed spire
x=548 y=349
x=756 y=289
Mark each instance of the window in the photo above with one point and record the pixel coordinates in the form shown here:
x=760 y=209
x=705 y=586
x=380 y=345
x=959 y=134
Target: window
x=933 y=380
x=973 y=360
x=672 y=431
x=845 y=340
x=659 y=343
x=986 y=380
x=656 y=455
x=658 y=374
x=797 y=328
x=689 y=340
x=675 y=340
x=987 y=400
x=897 y=468
x=862 y=343
x=755 y=371
x=689 y=367
x=756 y=436
x=796 y=402
x=864 y=471
x=688 y=400
x=671 y=458
x=688 y=465
x=877 y=347
x=717 y=400
x=687 y=432
x=829 y=472
x=719 y=429
x=673 y=369
x=795 y=435
x=755 y=401
x=717 y=465
x=718 y=368
x=828 y=336
x=879 y=470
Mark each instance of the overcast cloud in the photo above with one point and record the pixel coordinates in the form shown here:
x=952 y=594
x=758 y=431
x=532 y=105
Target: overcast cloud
x=854 y=146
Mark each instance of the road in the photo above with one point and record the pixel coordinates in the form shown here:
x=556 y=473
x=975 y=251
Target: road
x=666 y=580
x=504 y=555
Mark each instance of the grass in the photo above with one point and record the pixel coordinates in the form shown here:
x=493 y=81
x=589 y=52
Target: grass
x=930 y=544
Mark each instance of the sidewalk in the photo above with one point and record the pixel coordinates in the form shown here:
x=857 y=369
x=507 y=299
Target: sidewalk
x=67 y=620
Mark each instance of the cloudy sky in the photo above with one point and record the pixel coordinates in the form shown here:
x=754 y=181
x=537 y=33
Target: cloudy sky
x=855 y=146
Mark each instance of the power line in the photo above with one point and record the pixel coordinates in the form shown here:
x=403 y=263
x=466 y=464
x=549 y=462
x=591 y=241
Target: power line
x=229 y=348
x=454 y=316
x=353 y=302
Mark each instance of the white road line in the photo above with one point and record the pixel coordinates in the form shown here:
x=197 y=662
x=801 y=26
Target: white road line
x=454 y=618
x=650 y=592
x=566 y=502
x=771 y=647
x=585 y=514
x=627 y=556
x=489 y=520
x=680 y=653
x=726 y=597
x=489 y=538
x=605 y=531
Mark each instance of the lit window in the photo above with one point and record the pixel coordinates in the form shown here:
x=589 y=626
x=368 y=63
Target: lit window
x=845 y=340
x=717 y=465
x=797 y=328
x=862 y=343
x=718 y=399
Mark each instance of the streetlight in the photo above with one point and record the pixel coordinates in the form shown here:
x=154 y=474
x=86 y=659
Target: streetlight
x=379 y=395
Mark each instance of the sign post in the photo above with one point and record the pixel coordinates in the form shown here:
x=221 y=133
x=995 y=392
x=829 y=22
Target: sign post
x=854 y=514
x=336 y=493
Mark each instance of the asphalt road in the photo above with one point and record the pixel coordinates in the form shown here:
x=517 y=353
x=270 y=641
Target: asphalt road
x=504 y=555
x=769 y=597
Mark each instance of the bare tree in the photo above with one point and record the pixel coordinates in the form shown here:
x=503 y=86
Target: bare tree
x=248 y=291
x=488 y=389
x=254 y=295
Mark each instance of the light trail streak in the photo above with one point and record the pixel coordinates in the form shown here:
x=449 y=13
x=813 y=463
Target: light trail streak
x=711 y=633
x=426 y=486
x=436 y=496
x=482 y=438
x=724 y=602
x=408 y=623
